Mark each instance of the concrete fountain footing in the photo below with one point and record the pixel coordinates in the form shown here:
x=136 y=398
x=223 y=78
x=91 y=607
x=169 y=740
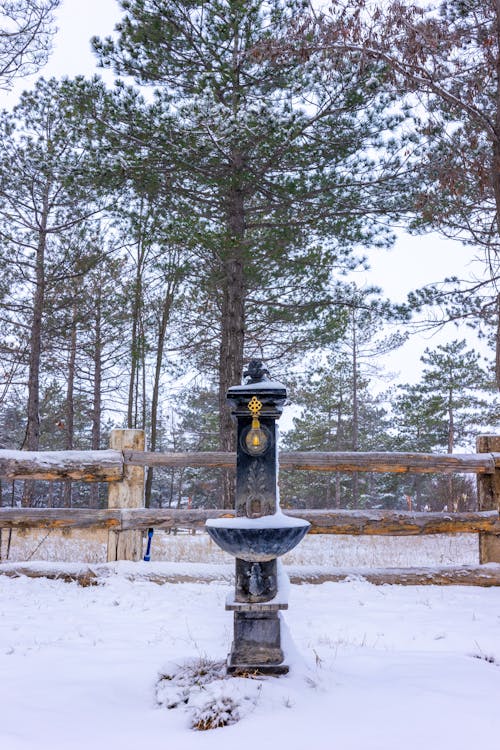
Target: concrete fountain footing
x=257 y=644
x=257 y=635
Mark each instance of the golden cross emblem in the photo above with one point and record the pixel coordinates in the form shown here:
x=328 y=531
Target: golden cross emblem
x=254 y=406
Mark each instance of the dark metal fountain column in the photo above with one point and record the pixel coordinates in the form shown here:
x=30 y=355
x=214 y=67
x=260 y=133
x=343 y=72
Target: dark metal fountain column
x=257 y=636
x=260 y=533
x=256 y=471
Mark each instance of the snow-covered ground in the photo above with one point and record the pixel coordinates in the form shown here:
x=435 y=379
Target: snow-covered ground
x=384 y=667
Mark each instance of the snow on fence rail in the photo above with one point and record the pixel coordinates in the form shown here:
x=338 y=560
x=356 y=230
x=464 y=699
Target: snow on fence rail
x=123 y=468
x=83 y=466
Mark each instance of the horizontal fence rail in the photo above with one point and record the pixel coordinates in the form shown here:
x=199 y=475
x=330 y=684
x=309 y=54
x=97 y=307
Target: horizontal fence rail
x=351 y=522
x=123 y=468
x=418 y=463
x=109 y=465
x=83 y=466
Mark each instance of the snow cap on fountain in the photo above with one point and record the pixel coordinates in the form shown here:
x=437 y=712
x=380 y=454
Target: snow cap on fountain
x=271 y=393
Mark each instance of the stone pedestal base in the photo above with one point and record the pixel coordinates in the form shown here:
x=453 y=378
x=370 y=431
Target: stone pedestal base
x=257 y=636
x=257 y=641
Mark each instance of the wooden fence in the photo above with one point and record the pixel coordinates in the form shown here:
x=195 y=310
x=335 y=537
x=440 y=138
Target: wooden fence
x=123 y=467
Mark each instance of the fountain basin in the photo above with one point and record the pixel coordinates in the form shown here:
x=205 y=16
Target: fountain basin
x=257 y=539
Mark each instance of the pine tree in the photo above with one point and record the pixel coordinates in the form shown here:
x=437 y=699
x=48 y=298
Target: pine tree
x=364 y=342
x=271 y=158
x=456 y=381
x=326 y=423
x=446 y=58
x=188 y=422
x=444 y=410
x=25 y=37
x=45 y=192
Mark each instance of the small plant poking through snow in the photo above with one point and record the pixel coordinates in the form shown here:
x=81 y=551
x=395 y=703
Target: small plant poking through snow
x=489 y=658
x=215 y=713
x=212 y=698
x=173 y=689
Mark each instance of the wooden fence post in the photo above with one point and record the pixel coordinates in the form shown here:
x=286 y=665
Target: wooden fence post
x=488 y=491
x=129 y=493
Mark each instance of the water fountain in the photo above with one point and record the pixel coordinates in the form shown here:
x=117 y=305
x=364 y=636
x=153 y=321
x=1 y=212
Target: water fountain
x=260 y=532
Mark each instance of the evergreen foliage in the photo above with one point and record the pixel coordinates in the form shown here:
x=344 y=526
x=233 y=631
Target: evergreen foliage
x=325 y=423
x=271 y=158
x=150 y=235
x=25 y=37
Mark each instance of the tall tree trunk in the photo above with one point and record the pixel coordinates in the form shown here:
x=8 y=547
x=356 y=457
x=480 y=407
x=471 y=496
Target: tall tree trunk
x=33 y=411
x=135 y=417
x=329 y=447
x=32 y=439
x=496 y=144
x=134 y=355
x=231 y=346
x=451 y=423
x=144 y=414
x=497 y=343
x=451 y=443
x=133 y=366
x=162 y=332
x=232 y=328
x=135 y=344
x=418 y=491
x=234 y=287
x=97 y=391
x=355 y=410
x=70 y=398
x=495 y=174
x=338 y=497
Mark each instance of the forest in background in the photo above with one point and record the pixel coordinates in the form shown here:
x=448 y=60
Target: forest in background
x=212 y=206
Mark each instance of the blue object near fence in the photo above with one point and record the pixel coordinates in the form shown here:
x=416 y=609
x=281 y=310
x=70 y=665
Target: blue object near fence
x=147 y=556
